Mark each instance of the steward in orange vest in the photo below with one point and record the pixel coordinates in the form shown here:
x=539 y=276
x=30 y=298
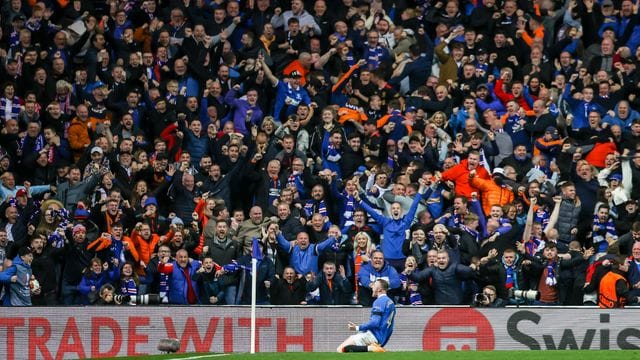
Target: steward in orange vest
x=614 y=287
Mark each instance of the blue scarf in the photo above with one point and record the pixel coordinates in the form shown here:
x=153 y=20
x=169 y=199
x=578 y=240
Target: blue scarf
x=551 y=274
x=349 y=208
x=15 y=108
x=532 y=245
x=312 y=206
x=128 y=287
x=511 y=276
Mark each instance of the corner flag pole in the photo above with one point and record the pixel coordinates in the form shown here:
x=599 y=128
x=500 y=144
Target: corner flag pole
x=254 y=271
x=256 y=255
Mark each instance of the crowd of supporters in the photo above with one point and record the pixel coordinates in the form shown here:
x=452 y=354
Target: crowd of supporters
x=468 y=152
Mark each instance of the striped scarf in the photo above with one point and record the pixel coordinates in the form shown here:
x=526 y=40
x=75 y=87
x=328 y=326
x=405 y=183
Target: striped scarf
x=349 y=208
x=532 y=245
x=128 y=287
x=39 y=143
x=312 y=206
x=15 y=108
x=511 y=276
x=551 y=274
x=274 y=190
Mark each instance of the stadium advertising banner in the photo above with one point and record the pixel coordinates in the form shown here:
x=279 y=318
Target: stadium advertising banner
x=92 y=332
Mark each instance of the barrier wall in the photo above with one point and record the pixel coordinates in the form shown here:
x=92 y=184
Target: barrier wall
x=81 y=332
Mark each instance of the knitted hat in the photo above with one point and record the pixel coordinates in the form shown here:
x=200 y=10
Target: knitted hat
x=81 y=213
x=151 y=201
x=177 y=221
x=21 y=192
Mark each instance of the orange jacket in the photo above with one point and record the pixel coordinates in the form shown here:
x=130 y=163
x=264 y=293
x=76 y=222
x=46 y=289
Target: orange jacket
x=537 y=33
x=492 y=193
x=607 y=296
x=104 y=242
x=544 y=143
x=202 y=218
x=346 y=113
x=459 y=174
x=142 y=249
x=78 y=136
x=599 y=152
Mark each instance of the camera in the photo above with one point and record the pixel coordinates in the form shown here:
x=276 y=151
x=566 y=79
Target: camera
x=481 y=299
x=147 y=299
x=121 y=299
x=528 y=295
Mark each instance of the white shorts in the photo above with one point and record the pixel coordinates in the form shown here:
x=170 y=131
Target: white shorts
x=364 y=338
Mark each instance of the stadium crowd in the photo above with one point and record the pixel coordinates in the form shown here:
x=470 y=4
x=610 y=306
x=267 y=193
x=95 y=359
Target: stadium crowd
x=461 y=150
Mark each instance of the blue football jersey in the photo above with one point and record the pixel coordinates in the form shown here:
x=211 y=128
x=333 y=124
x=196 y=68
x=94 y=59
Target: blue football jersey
x=380 y=323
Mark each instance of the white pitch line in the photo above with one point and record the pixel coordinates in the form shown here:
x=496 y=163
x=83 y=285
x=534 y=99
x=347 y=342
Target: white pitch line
x=199 y=357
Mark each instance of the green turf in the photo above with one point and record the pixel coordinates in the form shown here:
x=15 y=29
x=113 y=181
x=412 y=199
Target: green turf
x=453 y=355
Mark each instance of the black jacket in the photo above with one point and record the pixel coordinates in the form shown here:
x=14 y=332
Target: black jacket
x=339 y=293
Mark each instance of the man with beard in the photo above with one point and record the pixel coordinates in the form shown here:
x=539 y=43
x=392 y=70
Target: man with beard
x=104 y=216
x=446 y=279
x=224 y=251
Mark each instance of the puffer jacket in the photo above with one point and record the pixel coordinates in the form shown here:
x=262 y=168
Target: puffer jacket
x=178 y=281
x=567 y=220
x=492 y=193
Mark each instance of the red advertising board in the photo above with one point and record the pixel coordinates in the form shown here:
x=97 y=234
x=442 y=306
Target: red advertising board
x=94 y=332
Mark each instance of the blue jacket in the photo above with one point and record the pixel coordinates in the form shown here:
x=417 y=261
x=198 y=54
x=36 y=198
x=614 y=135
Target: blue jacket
x=19 y=292
x=295 y=96
x=625 y=124
x=394 y=231
x=97 y=280
x=304 y=261
x=196 y=146
x=369 y=274
x=178 y=282
x=580 y=109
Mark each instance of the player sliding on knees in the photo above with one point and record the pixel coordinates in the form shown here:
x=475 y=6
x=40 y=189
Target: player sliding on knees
x=375 y=333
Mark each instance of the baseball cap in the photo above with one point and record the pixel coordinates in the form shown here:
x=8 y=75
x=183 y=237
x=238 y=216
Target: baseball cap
x=97 y=149
x=295 y=74
x=21 y=192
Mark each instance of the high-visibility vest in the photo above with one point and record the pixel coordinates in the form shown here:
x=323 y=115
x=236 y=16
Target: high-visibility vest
x=607 y=297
